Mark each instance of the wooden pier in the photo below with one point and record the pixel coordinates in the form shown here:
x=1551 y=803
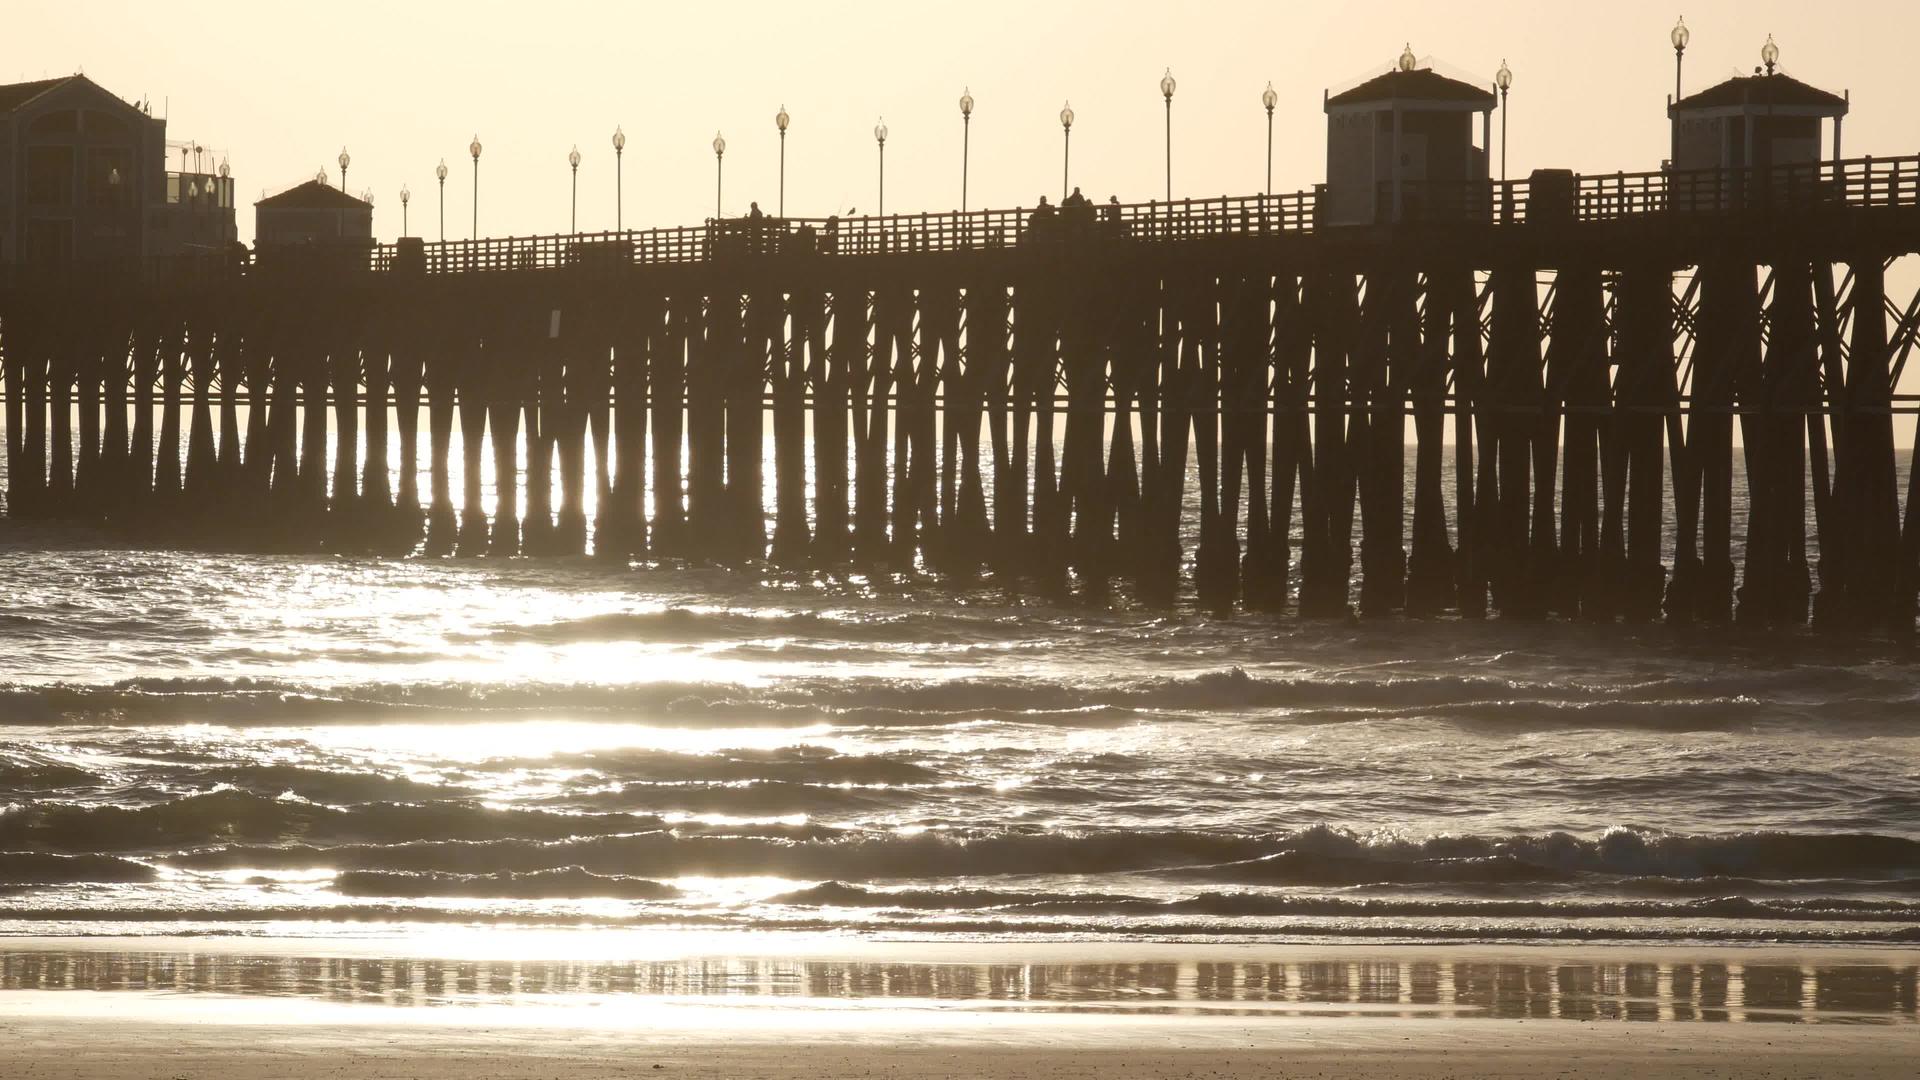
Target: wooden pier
x=1053 y=407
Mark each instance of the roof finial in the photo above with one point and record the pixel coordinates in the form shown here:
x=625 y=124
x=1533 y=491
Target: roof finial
x=1407 y=60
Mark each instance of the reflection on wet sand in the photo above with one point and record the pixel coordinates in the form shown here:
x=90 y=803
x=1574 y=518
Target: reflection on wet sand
x=1579 y=990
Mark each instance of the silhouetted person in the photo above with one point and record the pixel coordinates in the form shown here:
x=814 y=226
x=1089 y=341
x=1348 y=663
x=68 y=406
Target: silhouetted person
x=833 y=234
x=1114 y=225
x=1076 y=211
x=1040 y=224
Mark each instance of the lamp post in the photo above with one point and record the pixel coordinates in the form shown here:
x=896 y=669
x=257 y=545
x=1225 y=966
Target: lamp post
x=225 y=174
x=440 y=173
x=1269 y=99
x=345 y=160
x=619 y=177
x=474 y=149
x=405 y=198
x=880 y=137
x=1504 y=80
x=780 y=120
x=1166 y=91
x=1066 y=146
x=1679 y=36
x=1770 y=55
x=573 y=161
x=966 y=133
x=719 y=156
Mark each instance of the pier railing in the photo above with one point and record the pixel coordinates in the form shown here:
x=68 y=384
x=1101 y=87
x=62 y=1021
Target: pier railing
x=1546 y=197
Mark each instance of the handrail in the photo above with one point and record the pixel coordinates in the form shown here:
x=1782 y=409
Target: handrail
x=1545 y=197
x=1805 y=188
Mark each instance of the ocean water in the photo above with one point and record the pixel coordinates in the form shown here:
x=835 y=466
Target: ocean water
x=238 y=744
x=229 y=744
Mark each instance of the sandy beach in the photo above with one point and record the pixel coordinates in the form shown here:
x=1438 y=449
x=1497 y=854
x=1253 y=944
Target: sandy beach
x=246 y=1017
x=57 y=1049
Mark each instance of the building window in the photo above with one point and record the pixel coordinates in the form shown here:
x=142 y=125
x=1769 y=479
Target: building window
x=49 y=241
x=104 y=123
x=105 y=164
x=63 y=122
x=50 y=175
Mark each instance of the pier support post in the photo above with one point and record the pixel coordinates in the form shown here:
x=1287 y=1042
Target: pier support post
x=667 y=382
x=509 y=390
x=1430 y=568
x=473 y=431
x=1644 y=399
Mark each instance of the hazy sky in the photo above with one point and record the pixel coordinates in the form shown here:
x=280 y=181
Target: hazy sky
x=281 y=87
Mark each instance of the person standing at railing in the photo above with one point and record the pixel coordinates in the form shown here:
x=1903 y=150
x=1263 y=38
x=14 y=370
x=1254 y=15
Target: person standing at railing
x=1076 y=212
x=1040 y=223
x=1115 y=227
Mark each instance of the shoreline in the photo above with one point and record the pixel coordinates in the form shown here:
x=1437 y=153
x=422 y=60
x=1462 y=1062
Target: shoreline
x=542 y=979
x=1049 y=1049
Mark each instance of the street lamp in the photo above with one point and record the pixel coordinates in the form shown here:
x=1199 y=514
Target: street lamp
x=880 y=136
x=440 y=172
x=1269 y=99
x=1504 y=80
x=966 y=132
x=573 y=161
x=619 y=177
x=474 y=149
x=780 y=120
x=719 y=154
x=1680 y=35
x=344 y=160
x=1166 y=91
x=320 y=177
x=1066 y=146
x=225 y=174
x=1770 y=54
x=405 y=198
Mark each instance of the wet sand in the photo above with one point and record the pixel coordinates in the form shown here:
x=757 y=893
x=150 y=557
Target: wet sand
x=248 y=1009
x=42 y=1049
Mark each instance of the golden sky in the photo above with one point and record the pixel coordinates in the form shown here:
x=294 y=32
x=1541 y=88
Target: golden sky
x=281 y=87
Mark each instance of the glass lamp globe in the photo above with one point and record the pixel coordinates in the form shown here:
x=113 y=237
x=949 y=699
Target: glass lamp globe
x=1269 y=98
x=440 y=171
x=345 y=159
x=966 y=101
x=1407 y=60
x=1167 y=84
x=474 y=148
x=405 y=195
x=781 y=119
x=1680 y=35
x=1066 y=115
x=619 y=139
x=320 y=177
x=1504 y=77
x=719 y=145
x=573 y=157
x=224 y=170
x=880 y=132
x=1770 y=54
